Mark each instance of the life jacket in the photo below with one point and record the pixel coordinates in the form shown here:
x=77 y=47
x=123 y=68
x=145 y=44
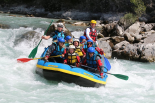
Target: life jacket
x=58 y=35
x=91 y=62
x=78 y=51
x=57 y=50
x=92 y=34
x=72 y=58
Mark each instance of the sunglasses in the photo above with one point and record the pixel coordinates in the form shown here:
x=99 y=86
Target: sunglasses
x=89 y=43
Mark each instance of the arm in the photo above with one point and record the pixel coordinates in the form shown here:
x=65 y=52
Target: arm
x=100 y=65
x=45 y=37
x=87 y=34
x=100 y=51
x=50 y=50
x=65 y=61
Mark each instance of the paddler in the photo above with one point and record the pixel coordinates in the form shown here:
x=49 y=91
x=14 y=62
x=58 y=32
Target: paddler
x=68 y=41
x=93 y=60
x=56 y=49
x=79 y=49
x=91 y=33
x=72 y=58
x=57 y=34
x=91 y=44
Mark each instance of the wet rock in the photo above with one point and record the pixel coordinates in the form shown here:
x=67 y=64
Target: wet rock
x=54 y=27
x=79 y=24
x=30 y=36
x=4 y=26
x=106 y=48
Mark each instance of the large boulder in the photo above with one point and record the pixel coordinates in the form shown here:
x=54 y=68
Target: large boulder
x=106 y=48
x=112 y=29
x=31 y=37
x=53 y=27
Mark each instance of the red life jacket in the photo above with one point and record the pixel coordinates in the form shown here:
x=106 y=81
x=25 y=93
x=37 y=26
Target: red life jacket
x=92 y=34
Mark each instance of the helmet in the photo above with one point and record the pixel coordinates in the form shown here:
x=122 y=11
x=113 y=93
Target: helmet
x=82 y=37
x=71 y=47
x=89 y=41
x=93 y=21
x=68 y=37
x=76 y=40
x=60 y=25
x=61 y=40
x=91 y=50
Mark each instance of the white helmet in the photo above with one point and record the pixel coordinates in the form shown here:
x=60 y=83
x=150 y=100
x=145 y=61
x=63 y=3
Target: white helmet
x=71 y=47
x=76 y=40
x=60 y=25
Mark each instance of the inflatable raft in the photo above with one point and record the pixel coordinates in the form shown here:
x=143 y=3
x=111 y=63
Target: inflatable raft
x=63 y=72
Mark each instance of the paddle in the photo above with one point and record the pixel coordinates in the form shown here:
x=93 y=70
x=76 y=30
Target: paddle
x=23 y=60
x=107 y=63
x=120 y=76
x=34 y=51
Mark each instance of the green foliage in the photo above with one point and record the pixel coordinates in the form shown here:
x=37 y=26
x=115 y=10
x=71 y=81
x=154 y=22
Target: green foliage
x=139 y=7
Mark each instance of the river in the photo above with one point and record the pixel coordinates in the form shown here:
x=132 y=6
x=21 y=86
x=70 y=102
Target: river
x=20 y=84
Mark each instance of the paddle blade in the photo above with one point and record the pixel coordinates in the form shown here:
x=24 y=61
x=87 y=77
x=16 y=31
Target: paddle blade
x=107 y=63
x=120 y=76
x=23 y=60
x=33 y=52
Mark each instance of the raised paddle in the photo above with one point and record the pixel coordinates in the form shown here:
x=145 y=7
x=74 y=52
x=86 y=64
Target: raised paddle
x=34 y=51
x=120 y=76
x=23 y=60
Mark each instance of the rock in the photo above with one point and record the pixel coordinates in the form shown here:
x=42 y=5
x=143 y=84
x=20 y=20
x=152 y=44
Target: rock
x=134 y=28
x=54 y=27
x=128 y=37
x=79 y=24
x=68 y=18
x=98 y=23
x=32 y=36
x=4 y=26
x=117 y=39
x=150 y=38
x=106 y=48
x=61 y=21
x=100 y=36
x=119 y=45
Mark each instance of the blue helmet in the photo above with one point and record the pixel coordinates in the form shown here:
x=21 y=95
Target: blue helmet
x=82 y=37
x=89 y=41
x=61 y=40
x=68 y=37
x=91 y=50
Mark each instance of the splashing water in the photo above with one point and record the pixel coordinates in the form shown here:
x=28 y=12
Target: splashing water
x=20 y=84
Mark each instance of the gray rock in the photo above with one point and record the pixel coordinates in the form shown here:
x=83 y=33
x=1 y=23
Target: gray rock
x=4 y=26
x=106 y=48
x=128 y=37
x=32 y=38
x=150 y=38
x=119 y=45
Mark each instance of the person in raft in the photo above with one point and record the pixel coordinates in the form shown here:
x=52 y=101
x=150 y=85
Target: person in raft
x=72 y=58
x=97 y=49
x=56 y=49
x=68 y=41
x=79 y=49
x=93 y=60
x=91 y=33
x=57 y=34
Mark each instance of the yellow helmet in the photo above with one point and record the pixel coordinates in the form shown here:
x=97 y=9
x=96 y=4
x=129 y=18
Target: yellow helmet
x=93 y=21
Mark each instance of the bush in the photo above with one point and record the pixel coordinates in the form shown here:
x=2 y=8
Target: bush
x=139 y=7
